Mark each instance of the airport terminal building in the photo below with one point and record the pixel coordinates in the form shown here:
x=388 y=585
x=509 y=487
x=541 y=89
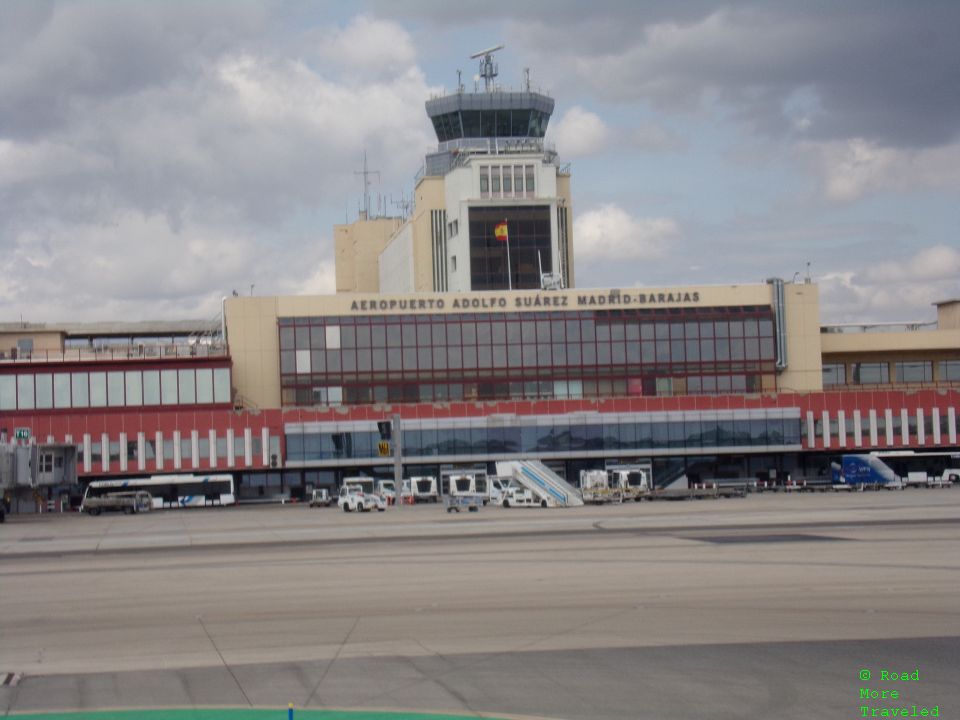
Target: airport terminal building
x=457 y=337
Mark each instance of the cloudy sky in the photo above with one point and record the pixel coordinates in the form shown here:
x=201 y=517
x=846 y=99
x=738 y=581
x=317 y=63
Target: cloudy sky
x=155 y=156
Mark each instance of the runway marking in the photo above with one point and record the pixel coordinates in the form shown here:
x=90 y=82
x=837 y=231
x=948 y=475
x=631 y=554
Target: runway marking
x=224 y=661
x=10 y=679
x=785 y=538
x=332 y=661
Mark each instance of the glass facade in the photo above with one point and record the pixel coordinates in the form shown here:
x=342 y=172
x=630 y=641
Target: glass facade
x=500 y=355
x=913 y=372
x=117 y=388
x=506 y=123
x=550 y=436
x=528 y=230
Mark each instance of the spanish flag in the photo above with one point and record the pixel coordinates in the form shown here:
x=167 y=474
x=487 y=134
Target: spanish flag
x=500 y=231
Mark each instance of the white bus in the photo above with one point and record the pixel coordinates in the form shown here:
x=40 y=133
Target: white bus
x=173 y=491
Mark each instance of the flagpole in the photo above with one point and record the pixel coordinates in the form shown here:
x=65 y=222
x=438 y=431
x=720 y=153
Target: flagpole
x=509 y=274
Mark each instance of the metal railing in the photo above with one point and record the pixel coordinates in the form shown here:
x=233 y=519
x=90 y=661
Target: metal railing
x=109 y=354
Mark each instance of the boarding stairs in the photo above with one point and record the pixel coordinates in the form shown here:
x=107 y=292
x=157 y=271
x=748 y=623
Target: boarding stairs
x=536 y=476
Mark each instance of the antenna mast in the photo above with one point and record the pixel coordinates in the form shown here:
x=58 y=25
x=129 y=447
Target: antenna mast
x=488 y=68
x=366 y=185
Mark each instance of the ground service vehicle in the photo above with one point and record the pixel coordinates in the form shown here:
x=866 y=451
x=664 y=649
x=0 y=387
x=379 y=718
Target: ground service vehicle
x=456 y=503
x=129 y=503
x=630 y=483
x=320 y=497
x=465 y=482
x=173 y=491
x=522 y=497
x=921 y=479
x=387 y=490
x=595 y=486
x=541 y=480
x=497 y=486
x=424 y=488
x=864 y=471
x=354 y=495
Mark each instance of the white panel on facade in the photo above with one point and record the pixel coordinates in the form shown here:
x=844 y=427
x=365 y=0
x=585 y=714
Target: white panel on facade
x=857 y=428
x=921 y=430
x=141 y=451
x=265 y=443
x=105 y=452
x=825 y=419
x=213 y=448
x=811 y=430
x=904 y=426
x=841 y=429
x=123 y=452
x=248 y=447
x=195 y=448
x=888 y=416
x=158 y=450
x=68 y=439
x=177 y=459
x=936 y=426
x=952 y=426
x=87 y=453
x=873 y=428
x=395 y=264
x=231 y=455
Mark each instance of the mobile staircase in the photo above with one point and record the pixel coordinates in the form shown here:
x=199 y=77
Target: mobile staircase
x=536 y=476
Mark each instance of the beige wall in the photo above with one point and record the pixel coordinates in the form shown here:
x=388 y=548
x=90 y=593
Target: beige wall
x=356 y=249
x=43 y=340
x=429 y=195
x=855 y=344
x=563 y=193
x=804 y=370
x=254 y=342
x=948 y=315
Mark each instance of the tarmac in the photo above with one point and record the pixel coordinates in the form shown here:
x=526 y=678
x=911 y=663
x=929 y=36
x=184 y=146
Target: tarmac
x=767 y=605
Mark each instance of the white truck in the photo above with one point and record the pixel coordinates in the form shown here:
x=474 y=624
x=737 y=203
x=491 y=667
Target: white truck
x=497 y=486
x=517 y=496
x=630 y=483
x=461 y=483
x=424 y=488
x=357 y=494
x=595 y=486
x=320 y=497
x=387 y=490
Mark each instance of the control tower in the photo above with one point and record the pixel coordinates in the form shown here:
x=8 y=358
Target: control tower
x=489 y=121
x=491 y=206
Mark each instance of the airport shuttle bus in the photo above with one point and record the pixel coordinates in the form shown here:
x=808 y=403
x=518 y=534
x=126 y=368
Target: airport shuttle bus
x=173 y=491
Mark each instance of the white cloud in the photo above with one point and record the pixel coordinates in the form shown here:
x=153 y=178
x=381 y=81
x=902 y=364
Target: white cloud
x=892 y=291
x=609 y=233
x=856 y=168
x=579 y=132
x=153 y=200
x=139 y=265
x=367 y=46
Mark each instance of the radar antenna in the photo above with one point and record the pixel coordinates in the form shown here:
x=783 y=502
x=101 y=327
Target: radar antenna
x=488 y=68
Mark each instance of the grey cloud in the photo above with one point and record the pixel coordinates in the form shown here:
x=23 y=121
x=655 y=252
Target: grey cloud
x=61 y=56
x=884 y=71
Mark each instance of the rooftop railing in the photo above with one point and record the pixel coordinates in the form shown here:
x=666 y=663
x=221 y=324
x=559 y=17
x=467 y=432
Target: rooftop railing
x=113 y=354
